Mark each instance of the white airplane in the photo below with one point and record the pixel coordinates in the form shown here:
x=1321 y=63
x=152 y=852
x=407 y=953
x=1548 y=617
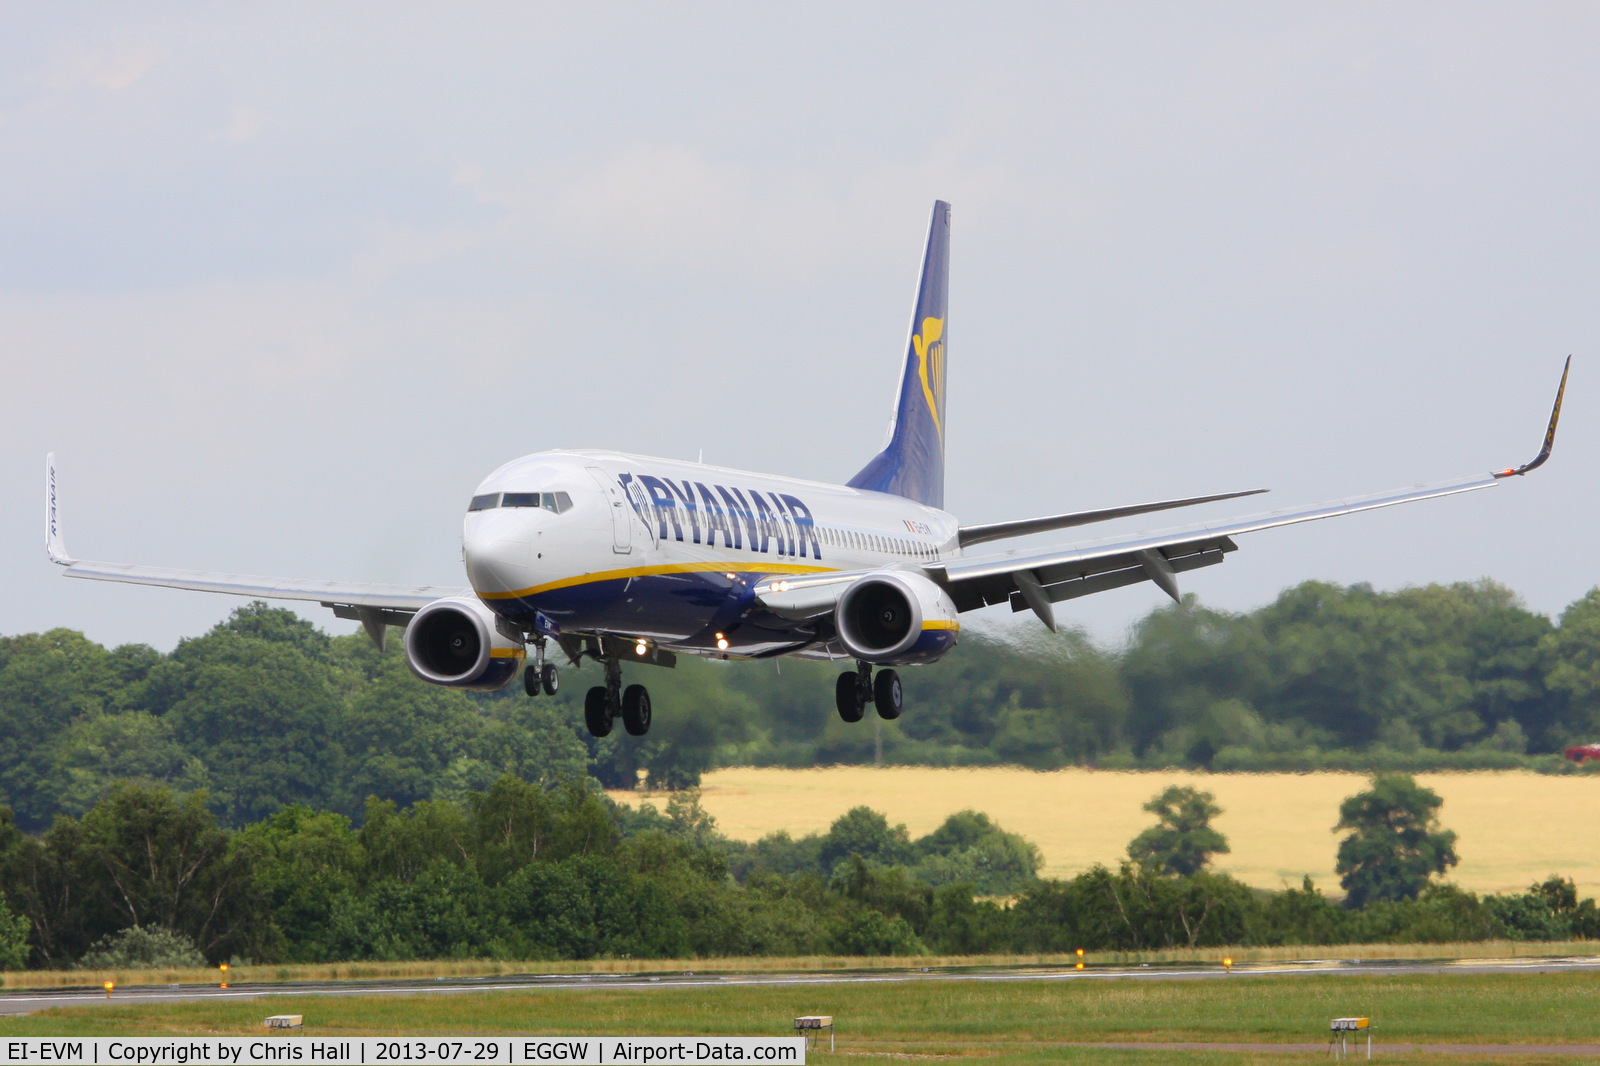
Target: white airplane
x=632 y=559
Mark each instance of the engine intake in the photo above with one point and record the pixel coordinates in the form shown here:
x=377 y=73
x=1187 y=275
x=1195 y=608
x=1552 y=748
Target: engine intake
x=892 y=617
x=454 y=642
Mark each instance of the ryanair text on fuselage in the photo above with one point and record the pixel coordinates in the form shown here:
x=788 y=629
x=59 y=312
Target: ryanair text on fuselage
x=691 y=511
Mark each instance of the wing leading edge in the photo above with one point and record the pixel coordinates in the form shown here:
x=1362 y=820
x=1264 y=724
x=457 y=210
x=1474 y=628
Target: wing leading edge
x=1036 y=580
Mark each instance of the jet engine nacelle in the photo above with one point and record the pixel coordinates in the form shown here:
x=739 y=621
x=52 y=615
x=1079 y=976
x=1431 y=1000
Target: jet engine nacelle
x=454 y=642
x=894 y=618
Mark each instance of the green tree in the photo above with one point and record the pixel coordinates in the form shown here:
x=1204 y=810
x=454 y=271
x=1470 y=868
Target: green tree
x=47 y=681
x=261 y=714
x=148 y=857
x=305 y=861
x=100 y=750
x=1183 y=658
x=1395 y=844
x=864 y=832
x=13 y=938
x=970 y=848
x=1572 y=669
x=1183 y=841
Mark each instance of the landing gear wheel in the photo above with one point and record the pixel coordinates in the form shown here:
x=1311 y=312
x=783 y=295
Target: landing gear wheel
x=530 y=681
x=850 y=706
x=596 y=712
x=550 y=679
x=636 y=710
x=886 y=694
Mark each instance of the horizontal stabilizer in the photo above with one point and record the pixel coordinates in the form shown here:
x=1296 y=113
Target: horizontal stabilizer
x=970 y=535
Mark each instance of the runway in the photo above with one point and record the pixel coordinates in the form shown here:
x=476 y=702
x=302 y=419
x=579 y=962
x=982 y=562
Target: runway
x=27 y=1001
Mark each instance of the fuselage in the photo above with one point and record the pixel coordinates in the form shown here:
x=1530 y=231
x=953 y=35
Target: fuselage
x=670 y=551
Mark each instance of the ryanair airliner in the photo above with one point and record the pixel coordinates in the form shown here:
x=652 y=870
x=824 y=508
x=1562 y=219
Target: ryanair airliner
x=627 y=559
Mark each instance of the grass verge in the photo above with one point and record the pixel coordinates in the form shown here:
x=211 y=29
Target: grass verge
x=996 y=1020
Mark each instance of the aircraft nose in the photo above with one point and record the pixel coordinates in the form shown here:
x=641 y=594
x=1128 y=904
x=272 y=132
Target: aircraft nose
x=497 y=547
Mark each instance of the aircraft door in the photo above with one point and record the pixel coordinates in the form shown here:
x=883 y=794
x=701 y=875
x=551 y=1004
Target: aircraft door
x=621 y=525
x=646 y=510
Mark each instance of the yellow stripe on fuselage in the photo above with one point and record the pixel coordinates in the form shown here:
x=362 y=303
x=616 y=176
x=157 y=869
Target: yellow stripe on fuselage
x=941 y=623
x=654 y=571
x=508 y=653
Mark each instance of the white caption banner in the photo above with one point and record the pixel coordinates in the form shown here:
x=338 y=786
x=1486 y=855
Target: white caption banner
x=370 y=1051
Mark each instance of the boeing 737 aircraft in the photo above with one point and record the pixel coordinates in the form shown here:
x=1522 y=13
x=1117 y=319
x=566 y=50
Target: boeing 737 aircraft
x=630 y=559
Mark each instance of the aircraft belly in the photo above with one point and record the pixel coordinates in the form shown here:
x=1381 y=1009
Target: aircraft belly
x=686 y=610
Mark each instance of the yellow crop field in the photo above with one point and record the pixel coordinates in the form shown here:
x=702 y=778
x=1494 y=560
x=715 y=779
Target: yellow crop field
x=1514 y=827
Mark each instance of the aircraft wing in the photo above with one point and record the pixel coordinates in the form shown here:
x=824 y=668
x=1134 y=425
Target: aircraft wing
x=405 y=599
x=1034 y=580
x=369 y=603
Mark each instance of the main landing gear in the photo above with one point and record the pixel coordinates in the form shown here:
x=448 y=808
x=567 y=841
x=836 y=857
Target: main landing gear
x=856 y=688
x=603 y=704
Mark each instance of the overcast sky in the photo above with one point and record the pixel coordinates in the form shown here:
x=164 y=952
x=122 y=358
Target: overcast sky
x=280 y=284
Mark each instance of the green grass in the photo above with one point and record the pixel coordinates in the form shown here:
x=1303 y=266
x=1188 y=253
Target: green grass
x=998 y=1021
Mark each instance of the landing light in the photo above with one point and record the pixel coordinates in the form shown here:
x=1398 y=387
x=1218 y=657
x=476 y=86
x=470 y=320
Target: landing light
x=640 y=648
x=722 y=642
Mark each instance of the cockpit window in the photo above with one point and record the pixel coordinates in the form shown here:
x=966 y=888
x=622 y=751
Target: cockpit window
x=558 y=502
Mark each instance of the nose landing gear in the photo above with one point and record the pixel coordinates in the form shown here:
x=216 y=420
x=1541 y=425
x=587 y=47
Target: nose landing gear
x=855 y=689
x=540 y=674
x=543 y=678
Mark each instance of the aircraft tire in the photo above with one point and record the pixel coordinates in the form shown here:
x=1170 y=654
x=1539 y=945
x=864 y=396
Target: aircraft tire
x=550 y=679
x=636 y=710
x=596 y=715
x=850 y=708
x=886 y=693
x=530 y=681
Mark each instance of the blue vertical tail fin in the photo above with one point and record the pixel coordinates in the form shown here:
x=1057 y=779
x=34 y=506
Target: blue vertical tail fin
x=912 y=463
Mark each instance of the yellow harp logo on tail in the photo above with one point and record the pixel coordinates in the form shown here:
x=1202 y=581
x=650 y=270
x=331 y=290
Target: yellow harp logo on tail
x=930 y=367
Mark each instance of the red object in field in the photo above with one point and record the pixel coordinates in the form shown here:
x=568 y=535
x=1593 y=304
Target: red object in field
x=1582 y=752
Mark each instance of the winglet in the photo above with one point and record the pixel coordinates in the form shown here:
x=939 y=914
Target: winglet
x=53 y=543
x=1549 y=434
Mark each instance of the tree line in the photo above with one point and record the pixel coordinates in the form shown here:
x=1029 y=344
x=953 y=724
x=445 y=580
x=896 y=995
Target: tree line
x=267 y=711
x=525 y=872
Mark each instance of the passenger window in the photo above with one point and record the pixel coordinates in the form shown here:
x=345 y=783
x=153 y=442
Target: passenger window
x=520 y=499
x=484 y=502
